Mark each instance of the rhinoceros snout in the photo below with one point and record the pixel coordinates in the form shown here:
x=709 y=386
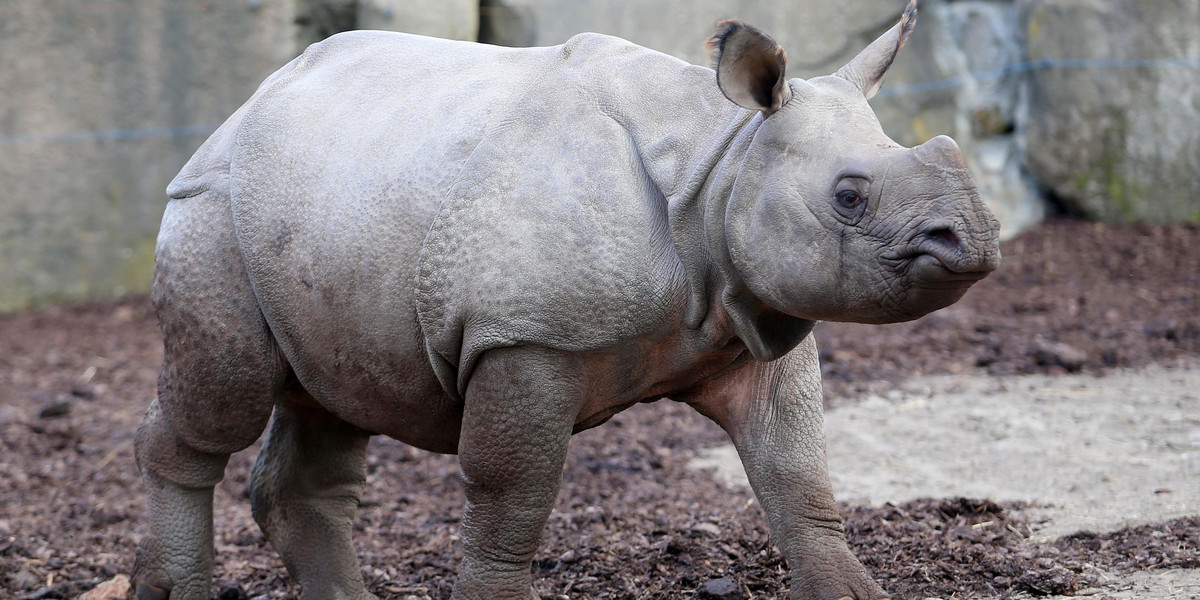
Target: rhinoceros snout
x=968 y=242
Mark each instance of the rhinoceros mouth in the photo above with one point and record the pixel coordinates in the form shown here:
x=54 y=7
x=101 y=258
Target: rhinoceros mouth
x=931 y=268
x=939 y=257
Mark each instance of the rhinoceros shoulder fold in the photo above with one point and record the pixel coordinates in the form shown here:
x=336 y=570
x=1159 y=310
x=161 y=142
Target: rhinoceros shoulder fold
x=554 y=233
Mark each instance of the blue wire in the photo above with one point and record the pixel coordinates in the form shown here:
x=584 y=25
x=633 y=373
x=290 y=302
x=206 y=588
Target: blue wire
x=1037 y=65
x=110 y=135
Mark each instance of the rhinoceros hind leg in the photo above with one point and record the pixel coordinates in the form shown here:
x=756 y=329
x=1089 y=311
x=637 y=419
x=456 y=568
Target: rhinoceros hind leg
x=176 y=558
x=221 y=375
x=304 y=490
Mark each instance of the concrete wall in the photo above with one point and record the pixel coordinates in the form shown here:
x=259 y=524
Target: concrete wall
x=103 y=101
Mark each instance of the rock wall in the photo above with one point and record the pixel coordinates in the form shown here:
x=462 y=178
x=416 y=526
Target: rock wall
x=102 y=102
x=1112 y=125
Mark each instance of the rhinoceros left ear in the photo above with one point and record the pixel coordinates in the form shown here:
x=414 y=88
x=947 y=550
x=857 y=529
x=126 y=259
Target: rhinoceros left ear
x=750 y=66
x=868 y=68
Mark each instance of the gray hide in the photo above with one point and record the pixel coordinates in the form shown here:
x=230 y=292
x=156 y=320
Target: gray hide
x=481 y=250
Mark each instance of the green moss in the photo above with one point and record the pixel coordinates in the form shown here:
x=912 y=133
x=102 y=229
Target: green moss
x=1034 y=27
x=1122 y=195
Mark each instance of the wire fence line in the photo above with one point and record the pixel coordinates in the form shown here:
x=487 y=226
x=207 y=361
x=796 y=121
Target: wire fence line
x=1040 y=64
x=891 y=91
x=108 y=135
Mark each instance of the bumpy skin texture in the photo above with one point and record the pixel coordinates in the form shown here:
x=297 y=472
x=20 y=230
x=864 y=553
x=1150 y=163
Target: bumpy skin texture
x=482 y=250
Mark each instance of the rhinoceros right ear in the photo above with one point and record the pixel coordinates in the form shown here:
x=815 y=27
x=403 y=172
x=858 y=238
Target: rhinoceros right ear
x=750 y=66
x=868 y=68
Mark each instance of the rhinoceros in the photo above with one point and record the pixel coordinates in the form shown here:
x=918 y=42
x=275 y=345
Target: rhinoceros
x=482 y=250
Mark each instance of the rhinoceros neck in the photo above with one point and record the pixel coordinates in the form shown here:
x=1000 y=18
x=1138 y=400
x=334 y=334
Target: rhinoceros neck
x=685 y=132
x=767 y=333
x=704 y=192
x=693 y=142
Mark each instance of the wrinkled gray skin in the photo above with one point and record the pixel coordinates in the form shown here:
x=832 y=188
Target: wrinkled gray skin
x=482 y=250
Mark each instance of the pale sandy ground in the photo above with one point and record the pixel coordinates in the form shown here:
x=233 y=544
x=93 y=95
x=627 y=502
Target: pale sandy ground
x=1097 y=453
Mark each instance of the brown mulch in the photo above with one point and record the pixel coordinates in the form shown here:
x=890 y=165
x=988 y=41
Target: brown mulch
x=632 y=520
x=977 y=549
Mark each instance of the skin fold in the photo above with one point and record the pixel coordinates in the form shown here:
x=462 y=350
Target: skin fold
x=482 y=250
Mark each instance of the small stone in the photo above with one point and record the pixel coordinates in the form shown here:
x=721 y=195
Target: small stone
x=708 y=528
x=1047 y=352
x=116 y=588
x=231 y=591
x=965 y=532
x=53 y=410
x=720 y=589
x=25 y=580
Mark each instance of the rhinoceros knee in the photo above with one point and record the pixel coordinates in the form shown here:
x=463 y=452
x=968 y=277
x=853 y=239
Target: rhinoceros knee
x=159 y=450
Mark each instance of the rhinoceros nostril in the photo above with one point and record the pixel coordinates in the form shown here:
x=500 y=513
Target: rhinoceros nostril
x=944 y=235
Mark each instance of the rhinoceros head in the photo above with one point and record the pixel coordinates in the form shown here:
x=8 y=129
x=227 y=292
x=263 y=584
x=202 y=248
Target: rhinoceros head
x=830 y=219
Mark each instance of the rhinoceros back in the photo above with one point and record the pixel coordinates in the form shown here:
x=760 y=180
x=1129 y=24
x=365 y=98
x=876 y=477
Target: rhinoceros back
x=405 y=203
x=335 y=170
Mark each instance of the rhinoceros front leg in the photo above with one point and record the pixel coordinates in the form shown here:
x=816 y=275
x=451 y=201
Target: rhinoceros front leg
x=519 y=409
x=773 y=413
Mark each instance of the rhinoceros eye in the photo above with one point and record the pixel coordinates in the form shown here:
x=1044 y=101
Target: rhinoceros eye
x=849 y=198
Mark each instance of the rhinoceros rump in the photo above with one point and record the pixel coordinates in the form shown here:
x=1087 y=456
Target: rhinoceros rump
x=482 y=250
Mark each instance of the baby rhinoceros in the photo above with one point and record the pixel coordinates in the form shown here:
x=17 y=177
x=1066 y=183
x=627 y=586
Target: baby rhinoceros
x=482 y=250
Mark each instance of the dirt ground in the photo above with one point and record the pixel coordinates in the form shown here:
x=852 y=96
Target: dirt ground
x=634 y=520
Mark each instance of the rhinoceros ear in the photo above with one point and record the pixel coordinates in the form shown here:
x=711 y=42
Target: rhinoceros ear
x=749 y=66
x=868 y=68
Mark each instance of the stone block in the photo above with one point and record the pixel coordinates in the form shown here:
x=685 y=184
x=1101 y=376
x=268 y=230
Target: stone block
x=1112 y=122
